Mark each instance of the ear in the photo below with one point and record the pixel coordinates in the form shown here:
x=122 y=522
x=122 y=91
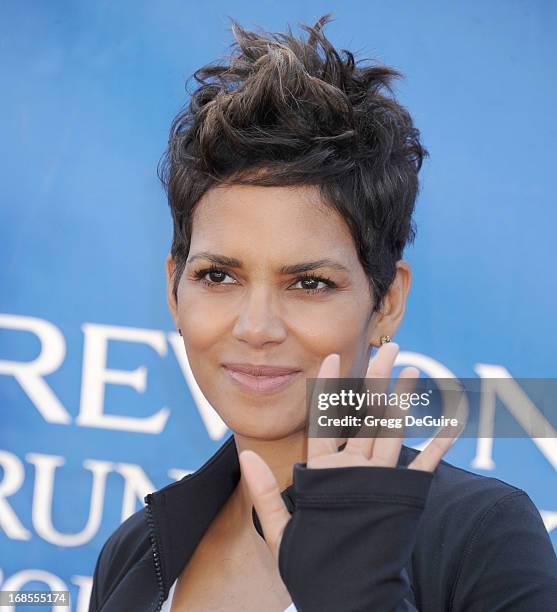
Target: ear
x=390 y=316
x=172 y=306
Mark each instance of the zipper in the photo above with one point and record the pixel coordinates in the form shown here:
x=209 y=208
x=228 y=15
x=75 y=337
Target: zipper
x=155 y=547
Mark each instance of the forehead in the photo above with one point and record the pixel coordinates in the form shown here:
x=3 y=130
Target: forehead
x=272 y=220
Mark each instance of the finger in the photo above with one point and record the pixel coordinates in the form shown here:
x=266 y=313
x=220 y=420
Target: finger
x=432 y=454
x=265 y=495
x=377 y=377
x=388 y=442
x=382 y=364
x=330 y=368
x=429 y=458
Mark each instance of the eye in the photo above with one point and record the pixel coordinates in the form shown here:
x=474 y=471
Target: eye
x=216 y=276
x=312 y=282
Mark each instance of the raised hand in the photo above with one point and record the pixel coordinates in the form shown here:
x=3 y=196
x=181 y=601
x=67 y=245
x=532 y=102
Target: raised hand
x=382 y=451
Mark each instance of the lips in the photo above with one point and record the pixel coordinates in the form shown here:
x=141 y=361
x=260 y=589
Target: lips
x=260 y=370
x=262 y=380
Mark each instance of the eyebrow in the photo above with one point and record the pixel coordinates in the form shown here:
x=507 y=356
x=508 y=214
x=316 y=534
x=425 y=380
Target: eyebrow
x=298 y=268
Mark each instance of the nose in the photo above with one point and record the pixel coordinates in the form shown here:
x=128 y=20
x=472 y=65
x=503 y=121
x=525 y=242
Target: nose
x=258 y=321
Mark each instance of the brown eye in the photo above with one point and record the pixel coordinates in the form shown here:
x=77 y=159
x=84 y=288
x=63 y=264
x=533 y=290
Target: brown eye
x=310 y=284
x=217 y=276
x=212 y=276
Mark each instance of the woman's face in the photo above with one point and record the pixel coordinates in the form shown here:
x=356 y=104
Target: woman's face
x=252 y=311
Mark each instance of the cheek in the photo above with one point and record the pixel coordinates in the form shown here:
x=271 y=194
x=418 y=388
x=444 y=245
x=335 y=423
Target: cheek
x=202 y=320
x=339 y=325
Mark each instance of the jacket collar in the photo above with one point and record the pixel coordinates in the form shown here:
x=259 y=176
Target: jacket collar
x=182 y=511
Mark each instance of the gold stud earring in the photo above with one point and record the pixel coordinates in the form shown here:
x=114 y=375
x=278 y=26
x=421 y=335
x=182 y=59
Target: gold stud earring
x=385 y=339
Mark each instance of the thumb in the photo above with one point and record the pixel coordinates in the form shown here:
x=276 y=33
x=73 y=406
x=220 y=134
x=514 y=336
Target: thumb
x=265 y=495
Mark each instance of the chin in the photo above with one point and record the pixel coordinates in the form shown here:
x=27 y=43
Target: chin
x=263 y=426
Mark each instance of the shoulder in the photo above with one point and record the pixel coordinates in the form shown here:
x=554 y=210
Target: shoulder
x=470 y=527
x=453 y=487
x=461 y=501
x=127 y=544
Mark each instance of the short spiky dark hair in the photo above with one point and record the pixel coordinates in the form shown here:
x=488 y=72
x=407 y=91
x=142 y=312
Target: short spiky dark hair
x=281 y=110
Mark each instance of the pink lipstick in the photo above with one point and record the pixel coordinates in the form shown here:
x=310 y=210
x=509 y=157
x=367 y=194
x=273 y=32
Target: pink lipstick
x=261 y=379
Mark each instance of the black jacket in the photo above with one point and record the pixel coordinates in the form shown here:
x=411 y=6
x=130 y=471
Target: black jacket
x=360 y=539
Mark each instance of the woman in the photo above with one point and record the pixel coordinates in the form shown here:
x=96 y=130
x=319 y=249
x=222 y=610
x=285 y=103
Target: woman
x=292 y=179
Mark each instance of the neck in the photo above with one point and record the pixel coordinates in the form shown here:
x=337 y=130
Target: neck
x=280 y=455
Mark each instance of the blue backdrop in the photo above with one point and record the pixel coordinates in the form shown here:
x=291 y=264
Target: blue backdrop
x=96 y=409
